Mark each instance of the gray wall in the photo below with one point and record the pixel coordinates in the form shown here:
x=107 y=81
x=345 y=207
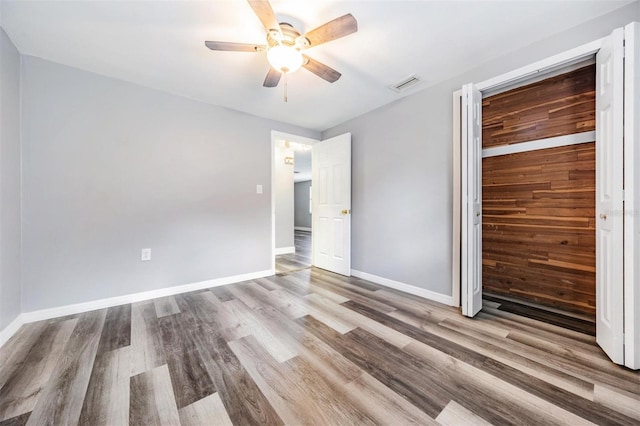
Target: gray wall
x=301 y=196
x=110 y=168
x=10 y=239
x=402 y=168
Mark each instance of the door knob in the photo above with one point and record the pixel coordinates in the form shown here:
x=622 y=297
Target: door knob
x=603 y=216
x=345 y=211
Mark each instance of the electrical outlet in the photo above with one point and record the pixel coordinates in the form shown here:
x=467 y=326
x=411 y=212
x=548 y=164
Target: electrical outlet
x=145 y=254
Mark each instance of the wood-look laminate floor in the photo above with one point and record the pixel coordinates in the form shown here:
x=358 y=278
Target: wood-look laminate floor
x=301 y=259
x=308 y=347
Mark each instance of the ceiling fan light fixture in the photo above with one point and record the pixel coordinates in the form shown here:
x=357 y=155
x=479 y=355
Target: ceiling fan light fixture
x=285 y=59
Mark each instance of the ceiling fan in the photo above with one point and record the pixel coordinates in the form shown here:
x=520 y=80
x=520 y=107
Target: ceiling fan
x=285 y=44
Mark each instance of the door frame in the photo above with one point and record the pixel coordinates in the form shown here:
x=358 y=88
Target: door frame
x=277 y=136
x=632 y=168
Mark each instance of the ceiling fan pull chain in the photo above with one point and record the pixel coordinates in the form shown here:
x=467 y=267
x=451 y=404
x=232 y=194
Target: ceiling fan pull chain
x=285 y=87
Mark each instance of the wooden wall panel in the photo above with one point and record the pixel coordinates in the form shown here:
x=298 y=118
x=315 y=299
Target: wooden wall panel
x=539 y=206
x=538 y=229
x=557 y=106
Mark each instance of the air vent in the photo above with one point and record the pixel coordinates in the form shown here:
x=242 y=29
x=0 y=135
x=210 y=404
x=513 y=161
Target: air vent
x=406 y=83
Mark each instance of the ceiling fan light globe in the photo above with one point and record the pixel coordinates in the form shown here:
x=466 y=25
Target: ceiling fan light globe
x=285 y=59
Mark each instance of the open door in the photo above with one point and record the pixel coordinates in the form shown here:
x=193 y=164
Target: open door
x=471 y=205
x=632 y=196
x=331 y=204
x=609 y=196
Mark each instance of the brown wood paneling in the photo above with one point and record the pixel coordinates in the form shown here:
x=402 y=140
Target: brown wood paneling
x=539 y=206
x=538 y=237
x=557 y=106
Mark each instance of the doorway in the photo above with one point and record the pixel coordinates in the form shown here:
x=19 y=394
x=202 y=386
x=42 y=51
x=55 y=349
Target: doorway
x=300 y=258
x=538 y=199
x=329 y=196
x=616 y=105
x=293 y=206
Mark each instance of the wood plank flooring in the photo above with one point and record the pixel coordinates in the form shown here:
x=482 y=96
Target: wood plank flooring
x=308 y=347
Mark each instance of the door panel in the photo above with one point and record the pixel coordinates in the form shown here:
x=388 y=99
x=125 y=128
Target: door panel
x=632 y=196
x=609 y=197
x=338 y=230
x=471 y=230
x=331 y=198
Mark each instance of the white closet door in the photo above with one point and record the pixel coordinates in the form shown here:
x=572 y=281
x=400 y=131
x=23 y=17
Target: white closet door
x=609 y=196
x=632 y=196
x=471 y=229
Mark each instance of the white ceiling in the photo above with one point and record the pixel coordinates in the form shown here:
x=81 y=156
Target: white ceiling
x=160 y=44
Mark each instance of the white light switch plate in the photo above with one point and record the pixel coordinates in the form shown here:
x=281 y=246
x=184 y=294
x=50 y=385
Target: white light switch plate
x=145 y=254
x=258 y=189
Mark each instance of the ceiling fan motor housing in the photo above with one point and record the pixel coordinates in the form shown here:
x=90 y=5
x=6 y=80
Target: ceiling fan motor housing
x=288 y=36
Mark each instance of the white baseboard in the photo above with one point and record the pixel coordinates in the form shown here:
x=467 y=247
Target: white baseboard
x=416 y=291
x=285 y=250
x=77 y=308
x=11 y=329
x=302 y=228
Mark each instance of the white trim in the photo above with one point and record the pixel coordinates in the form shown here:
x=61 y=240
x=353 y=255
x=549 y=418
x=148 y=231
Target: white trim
x=284 y=250
x=11 y=329
x=457 y=196
x=566 y=140
x=416 y=291
x=542 y=75
x=273 y=200
x=632 y=197
x=138 y=297
x=545 y=65
x=302 y=228
x=293 y=138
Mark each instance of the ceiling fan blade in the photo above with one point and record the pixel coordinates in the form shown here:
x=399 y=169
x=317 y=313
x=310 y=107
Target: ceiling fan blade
x=265 y=13
x=234 y=47
x=320 y=69
x=332 y=30
x=272 y=79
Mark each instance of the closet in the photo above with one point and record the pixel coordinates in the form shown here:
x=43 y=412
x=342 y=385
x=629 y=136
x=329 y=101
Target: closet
x=547 y=168
x=538 y=196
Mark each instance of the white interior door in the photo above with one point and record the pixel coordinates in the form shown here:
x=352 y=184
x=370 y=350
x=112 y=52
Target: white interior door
x=632 y=196
x=331 y=204
x=471 y=182
x=609 y=196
